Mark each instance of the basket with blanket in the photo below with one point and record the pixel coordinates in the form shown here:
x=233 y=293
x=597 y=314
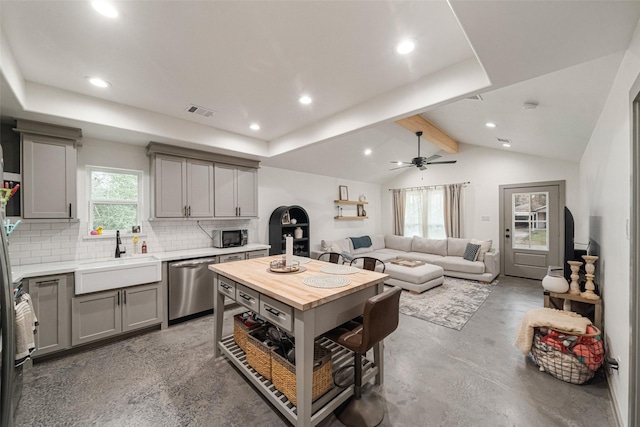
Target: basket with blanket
x=567 y=356
x=562 y=343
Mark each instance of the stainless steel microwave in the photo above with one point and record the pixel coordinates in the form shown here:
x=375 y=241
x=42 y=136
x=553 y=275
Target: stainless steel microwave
x=230 y=238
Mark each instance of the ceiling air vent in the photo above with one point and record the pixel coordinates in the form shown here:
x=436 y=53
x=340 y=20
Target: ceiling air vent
x=200 y=111
x=476 y=97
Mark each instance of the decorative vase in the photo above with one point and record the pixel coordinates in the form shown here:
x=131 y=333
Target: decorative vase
x=297 y=233
x=574 y=287
x=294 y=221
x=556 y=284
x=590 y=268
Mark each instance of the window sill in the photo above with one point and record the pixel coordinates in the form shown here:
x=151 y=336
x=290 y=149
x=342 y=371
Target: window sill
x=113 y=236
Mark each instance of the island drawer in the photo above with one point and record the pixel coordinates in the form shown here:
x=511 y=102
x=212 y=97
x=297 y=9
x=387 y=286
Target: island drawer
x=277 y=313
x=248 y=297
x=227 y=287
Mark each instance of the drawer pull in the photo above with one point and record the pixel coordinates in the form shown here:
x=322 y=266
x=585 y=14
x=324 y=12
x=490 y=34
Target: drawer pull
x=272 y=311
x=246 y=297
x=224 y=285
x=48 y=282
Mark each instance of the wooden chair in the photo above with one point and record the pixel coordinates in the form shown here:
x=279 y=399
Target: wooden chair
x=369 y=263
x=333 y=257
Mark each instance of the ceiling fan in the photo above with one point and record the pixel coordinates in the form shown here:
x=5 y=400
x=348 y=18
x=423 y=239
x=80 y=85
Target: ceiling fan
x=421 y=162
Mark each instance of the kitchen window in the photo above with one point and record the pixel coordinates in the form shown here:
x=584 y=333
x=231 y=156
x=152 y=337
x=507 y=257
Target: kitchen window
x=114 y=199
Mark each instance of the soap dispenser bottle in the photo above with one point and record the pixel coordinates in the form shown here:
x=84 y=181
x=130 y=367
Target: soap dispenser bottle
x=118 y=243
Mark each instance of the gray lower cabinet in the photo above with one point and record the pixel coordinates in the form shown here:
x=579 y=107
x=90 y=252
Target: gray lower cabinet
x=104 y=314
x=50 y=296
x=257 y=254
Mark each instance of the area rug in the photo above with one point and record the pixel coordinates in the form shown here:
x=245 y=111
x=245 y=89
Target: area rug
x=451 y=305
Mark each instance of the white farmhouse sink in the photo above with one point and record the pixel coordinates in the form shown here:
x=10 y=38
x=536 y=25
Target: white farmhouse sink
x=117 y=273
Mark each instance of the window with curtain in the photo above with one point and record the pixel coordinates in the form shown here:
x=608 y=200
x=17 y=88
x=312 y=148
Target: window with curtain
x=424 y=213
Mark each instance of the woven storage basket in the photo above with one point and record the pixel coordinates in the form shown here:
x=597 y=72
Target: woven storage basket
x=258 y=353
x=564 y=366
x=240 y=331
x=283 y=374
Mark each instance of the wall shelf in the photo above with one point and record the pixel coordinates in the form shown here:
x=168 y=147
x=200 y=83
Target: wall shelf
x=349 y=218
x=349 y=202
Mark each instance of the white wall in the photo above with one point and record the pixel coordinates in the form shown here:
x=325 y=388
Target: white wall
x=605 y=176
x=486 y=169
x=316 y=193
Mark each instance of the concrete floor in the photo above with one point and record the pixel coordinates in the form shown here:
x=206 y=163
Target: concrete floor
x=434 y=376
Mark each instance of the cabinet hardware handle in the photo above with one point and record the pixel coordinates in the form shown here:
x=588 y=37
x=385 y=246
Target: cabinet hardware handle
x=189 y=210
x=246 y=297
x=240 y=211
x=118 y=297
x=124 y=296
x=48 y=282
x=224 y=285
x=69 y=210
x=184 y=211
x=272 y=311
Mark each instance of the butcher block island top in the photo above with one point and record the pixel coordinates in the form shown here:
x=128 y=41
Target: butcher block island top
x=289 y=287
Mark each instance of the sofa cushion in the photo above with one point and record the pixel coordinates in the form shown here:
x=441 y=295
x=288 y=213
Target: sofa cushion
x=471 y=252
x=377 y=242
x=485 y=245
x=456 y=246
x=339 y=246
x=417 y=275
x=384 y=255
x=456 y=263
x=401 y=243
x=429 y=246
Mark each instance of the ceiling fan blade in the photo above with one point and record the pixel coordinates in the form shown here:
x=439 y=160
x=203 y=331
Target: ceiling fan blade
x=446 y=162
x=405 y=163
x=435 y=156
x=401 y=167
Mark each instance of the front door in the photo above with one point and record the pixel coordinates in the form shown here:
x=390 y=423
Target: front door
x=532 y=228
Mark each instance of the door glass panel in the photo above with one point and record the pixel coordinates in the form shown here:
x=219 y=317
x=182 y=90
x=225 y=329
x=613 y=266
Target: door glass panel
x=529 y=221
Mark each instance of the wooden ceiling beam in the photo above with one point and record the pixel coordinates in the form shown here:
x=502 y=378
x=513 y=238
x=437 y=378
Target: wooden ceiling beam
x=430 y=132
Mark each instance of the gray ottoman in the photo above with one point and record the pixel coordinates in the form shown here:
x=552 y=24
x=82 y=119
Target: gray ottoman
x=415 y=279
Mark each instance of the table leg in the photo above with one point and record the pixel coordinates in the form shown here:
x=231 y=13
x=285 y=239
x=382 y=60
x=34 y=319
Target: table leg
x=218 y=313
x=598 y=316
x=303 y=331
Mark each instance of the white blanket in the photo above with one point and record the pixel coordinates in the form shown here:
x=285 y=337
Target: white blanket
x=557 y=319
x=26 y=322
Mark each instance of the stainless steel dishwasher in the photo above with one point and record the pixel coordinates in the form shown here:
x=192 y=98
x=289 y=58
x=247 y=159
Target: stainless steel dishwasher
x=190 y=287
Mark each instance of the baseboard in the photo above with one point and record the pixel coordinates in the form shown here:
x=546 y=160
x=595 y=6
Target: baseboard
x=614 y=402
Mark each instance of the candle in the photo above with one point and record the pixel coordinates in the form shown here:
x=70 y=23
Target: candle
x=289 y=250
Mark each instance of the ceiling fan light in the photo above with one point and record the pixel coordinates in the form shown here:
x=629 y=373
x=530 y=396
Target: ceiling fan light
x=405 y=46
x=399 y=163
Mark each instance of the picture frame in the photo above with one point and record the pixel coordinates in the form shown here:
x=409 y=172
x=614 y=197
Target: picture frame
x=344 y=192
x=286 y=219
x=360 y=210
x=135 y=229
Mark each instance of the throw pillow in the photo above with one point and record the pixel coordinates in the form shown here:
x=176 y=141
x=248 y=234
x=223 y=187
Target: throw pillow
x=485 y=245
x=471 y=252
x=335 y=248
x=361 y=242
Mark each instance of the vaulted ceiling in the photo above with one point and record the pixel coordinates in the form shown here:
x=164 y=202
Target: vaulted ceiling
x=250 y=61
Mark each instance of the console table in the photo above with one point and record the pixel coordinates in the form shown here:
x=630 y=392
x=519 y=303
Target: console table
x=307 y=312
x=556 y=300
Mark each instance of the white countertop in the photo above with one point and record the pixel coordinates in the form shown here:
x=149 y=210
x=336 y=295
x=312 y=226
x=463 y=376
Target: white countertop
x=33 y=270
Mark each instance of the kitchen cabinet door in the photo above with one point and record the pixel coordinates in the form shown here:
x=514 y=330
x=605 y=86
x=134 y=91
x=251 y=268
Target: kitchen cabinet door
x=225 y=191
x=141 y=306
x=247 y=192
x=170 y=186
x=257 y=254
x=95 y=316
x=236 y=191
x=51 y=297
x=49 y=177
x=199 y=189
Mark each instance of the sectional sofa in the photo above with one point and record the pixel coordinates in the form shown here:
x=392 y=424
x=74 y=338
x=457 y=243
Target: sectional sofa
x=445 y=253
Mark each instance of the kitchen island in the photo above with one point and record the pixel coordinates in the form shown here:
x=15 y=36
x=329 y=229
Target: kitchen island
x=306 y=312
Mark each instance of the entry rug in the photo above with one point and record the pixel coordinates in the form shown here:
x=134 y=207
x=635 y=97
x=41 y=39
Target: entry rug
x=451 y=305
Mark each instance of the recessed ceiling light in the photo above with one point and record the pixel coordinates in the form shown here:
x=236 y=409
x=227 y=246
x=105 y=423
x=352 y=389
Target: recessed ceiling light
x=255 y=126
x=105 y=8
x=96 y=81
x=367 y=151
x=405 y=46
x=506 y=144
x=305 y=99
x=490 y=125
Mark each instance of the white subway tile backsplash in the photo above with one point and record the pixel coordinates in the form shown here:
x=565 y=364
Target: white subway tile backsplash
x=53 y=258
x=41 y=226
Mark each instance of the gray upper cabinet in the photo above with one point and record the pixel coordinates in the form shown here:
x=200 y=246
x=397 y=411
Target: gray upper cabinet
x=183 y=188
x=51 y=296
x=49 y=177
x=236 y=191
